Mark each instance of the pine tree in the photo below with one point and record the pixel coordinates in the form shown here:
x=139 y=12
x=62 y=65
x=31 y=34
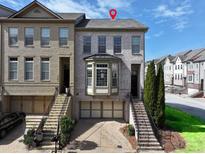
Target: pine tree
x=160 y=103
x=150 y=88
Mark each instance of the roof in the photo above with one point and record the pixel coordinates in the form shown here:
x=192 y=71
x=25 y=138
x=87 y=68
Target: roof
x=102 y=56
x=182 y=55
x=71 y=16
x=111 y=24
x=194 y=54
x=7 y=8
x=201 y=57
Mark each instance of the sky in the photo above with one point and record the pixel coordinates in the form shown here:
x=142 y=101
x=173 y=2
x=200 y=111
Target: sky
x=174 y=25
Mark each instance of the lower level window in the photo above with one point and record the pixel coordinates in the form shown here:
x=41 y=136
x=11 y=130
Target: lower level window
x=13 y=68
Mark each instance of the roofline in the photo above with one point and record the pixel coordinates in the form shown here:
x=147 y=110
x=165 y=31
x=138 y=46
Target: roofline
x=30 y=4
x=42 y=20
x=7 y=8
x=110 y=29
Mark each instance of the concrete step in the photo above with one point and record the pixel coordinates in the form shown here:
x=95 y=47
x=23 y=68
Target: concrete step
x=149 y=143
x=46 y=147
x=147 y=140
x=154 y=148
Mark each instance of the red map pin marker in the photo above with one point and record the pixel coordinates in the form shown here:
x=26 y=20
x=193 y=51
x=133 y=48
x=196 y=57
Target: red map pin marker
x=113 y=13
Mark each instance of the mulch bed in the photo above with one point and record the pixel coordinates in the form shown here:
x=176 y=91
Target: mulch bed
x=131 y=139
x=172 y=140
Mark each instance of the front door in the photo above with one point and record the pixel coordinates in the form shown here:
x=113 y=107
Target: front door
x=202 y=84
x=64 y=74
x=134 y=81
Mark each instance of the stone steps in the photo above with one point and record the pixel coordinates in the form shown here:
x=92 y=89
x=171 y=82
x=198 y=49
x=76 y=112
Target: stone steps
x=147 y=140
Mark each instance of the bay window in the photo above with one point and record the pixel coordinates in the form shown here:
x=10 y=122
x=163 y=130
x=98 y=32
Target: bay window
x=102 y=74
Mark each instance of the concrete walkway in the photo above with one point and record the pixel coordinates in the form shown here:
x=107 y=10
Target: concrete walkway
x=99 y=136
x=194 y=106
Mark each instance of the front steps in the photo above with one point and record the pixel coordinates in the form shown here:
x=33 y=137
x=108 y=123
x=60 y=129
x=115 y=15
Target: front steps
x=59 y=108
x=147 y=141
x=32 y=121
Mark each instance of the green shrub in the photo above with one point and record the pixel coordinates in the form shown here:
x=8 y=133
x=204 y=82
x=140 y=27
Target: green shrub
x=29 y=138
x=66 y=126
x=131 y=130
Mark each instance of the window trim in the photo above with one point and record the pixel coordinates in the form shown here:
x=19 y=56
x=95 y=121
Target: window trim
x=90 y=44
x=47 y=80
x=16 y=70
x=133 y=45
x=108 y=77
x=30 y=45
x=17 y=44
x=25 y=69
x=48 y=45
x=120 y=44
x=100 y=46
x=63 y=46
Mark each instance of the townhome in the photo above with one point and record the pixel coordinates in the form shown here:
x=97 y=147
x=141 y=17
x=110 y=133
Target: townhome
x=195 y=71
x=110 y=57
x=169 y=71
x=37 y=57
x=180 y=68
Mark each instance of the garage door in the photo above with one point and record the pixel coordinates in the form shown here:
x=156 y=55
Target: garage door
x=108 y=109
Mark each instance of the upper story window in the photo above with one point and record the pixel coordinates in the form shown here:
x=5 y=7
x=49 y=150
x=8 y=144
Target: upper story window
x=117 y=44
x=178 y=67
x=45 y=69
x=101 y=44
x=13 y=36
x=87 y=44
x=45 y=36
x=135 y=44
x=181 y=67
x=29 y=75
x=13 y=68
x=63 y=36
x=29 y=36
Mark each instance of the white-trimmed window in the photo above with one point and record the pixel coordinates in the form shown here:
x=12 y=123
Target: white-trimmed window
x=13 y=68
x=135 y=44
x=45 y=36
x=190 y=78
x=117 y=40
x=101 y=75
x=29 y=69
x=29 y=36
x=45 y=69
x=13 y=36
x=63 y=36
x=86 y=44
x=89 y=75
x=101 y=44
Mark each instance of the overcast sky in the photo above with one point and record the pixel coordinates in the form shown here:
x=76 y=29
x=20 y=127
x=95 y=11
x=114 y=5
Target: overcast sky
x=174 y=25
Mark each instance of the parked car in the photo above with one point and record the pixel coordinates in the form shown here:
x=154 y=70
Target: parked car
x=10 y=121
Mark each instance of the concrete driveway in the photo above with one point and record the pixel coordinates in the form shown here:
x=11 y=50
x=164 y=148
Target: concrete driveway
x=194 y=106
x=99 y=136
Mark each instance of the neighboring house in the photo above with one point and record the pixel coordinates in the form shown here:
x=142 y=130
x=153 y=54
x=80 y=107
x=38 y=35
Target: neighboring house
x=100 y=62
x=195 y=71
x=180 y=68
x=37 y=56
x=169 y=71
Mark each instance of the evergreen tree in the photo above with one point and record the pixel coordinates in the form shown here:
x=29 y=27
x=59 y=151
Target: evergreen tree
x=160 y=103
x=150 y=88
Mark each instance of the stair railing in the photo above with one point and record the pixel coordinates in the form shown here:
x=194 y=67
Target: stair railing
x=135 y=116
x=155 y=129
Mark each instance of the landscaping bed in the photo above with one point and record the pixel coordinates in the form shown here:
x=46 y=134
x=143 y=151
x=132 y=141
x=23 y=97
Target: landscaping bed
x=131 y=139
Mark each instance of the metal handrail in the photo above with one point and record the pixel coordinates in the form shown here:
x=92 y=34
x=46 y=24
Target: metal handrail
x=135 y=116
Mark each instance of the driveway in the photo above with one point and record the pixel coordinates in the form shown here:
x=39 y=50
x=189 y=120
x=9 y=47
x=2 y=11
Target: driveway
x=194 y=106
x=99 y=136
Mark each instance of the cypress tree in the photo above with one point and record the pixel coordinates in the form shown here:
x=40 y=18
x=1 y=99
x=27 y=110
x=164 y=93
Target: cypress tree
x=160 y=103
x=150 y=88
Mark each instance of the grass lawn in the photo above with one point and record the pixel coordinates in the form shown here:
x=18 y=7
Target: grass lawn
x=191 y=128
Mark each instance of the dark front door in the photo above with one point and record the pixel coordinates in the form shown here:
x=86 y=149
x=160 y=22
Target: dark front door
x=134 y=81
x=66 y=77
x=202 y=84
